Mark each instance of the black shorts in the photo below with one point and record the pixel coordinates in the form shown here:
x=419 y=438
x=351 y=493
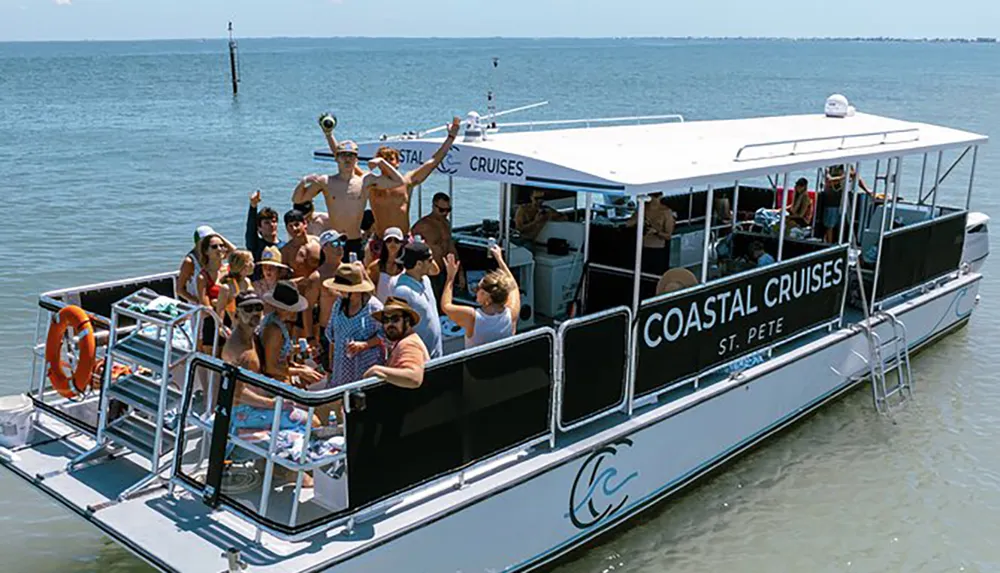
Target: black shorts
x=355 y=246
x=208 y=329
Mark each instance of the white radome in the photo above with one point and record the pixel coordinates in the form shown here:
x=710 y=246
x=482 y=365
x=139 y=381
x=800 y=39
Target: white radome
x=837 y=106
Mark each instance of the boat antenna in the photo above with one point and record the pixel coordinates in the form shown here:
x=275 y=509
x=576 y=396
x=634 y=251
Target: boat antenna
x=491 y=104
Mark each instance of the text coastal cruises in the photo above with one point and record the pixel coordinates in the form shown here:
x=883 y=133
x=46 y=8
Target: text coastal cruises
x=512 y=454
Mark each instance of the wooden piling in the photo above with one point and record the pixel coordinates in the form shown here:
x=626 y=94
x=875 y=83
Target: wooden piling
x=232 y=61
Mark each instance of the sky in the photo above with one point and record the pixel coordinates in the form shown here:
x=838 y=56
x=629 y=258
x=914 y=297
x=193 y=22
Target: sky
x=29 y=20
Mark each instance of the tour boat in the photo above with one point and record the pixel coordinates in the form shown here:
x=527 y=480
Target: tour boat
x=610 y=397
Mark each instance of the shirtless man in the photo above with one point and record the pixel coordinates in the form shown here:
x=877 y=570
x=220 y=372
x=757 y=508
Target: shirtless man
x=658 y=228
x=391 y=207
x=346 y=193
x=240 y=348
x=302 y=254
x=435 y=230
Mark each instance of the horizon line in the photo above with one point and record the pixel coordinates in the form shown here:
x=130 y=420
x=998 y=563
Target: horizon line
x=939 y=39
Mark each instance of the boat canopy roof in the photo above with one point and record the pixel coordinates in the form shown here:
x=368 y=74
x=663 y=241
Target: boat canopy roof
x=670 y=157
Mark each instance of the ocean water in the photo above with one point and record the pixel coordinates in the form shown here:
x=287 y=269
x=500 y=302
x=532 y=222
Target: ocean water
x=111 y=154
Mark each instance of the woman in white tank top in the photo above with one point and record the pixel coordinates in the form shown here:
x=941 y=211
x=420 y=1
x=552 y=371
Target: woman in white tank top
x=498 y=297
x=385 y=270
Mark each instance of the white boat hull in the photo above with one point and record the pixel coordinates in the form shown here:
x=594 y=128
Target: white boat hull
x=528 y=525
x=534 y=511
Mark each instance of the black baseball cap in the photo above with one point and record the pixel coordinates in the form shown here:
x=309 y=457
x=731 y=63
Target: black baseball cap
x=413 y=253
x=248 y=297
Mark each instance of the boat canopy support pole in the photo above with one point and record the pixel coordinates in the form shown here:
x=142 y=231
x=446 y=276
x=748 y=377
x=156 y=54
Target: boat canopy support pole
x=895 y=190
x=937 y=181
x=850 y=242
x=587 y=214
x=951 y=168
x=736 y=205
x=637 y=275
x=923 y=174
x=972 y=177
x=784 y=214
x=852 y=186
x=505 y=221
x=708 y=234
x=815 y=203
x=881 y=229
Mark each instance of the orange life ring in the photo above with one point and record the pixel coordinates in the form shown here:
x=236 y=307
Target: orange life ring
x=77 y=318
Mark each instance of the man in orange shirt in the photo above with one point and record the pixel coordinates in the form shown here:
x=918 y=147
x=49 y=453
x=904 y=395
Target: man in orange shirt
x=405 y=367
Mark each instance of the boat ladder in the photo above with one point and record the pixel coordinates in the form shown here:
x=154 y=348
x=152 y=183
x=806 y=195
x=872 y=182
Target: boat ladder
x=886 y=394
x=897 y=381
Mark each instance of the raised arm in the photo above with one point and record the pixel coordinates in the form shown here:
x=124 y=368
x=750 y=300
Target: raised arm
x=389 y=177
x=331 y=141
x=463 y=316
x=308 y=188
x=250 y=236
x=420 y=174
x=514 y=298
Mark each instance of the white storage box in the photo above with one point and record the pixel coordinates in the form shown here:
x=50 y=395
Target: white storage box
x=330 y=491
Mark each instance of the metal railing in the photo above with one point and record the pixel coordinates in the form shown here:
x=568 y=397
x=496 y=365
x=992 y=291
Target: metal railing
x=638 y=119
x=560 y=361
x=841 y=146
x=311 y=400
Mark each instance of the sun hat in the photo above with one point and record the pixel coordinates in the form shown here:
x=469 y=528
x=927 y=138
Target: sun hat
x=675 y=279
x=396 y=304
x=350 y=277
x=393 y=233
x=271 y=256
x=286 y=297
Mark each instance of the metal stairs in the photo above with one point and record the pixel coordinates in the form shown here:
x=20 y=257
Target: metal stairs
x=161 y=334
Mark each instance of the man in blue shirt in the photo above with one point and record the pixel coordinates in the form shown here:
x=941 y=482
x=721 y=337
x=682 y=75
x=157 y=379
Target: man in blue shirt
x=414 y=286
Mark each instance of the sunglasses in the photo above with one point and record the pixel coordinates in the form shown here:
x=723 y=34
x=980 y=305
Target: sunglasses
x=444 y=210
x=216 y=247
x=252 y=308
x=396 y=241
x=391 y=318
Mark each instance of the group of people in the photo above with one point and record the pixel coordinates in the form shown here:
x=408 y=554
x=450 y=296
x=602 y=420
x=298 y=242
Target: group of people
x=345 y=296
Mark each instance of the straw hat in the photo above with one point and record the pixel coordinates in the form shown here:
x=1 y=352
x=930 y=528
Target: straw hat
x=286 y=297
x=350 y=278
x=271 y=256
x=675 y=279
x=396 y=304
